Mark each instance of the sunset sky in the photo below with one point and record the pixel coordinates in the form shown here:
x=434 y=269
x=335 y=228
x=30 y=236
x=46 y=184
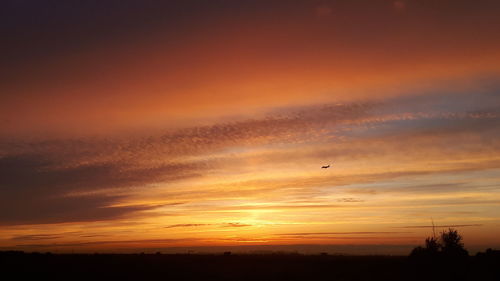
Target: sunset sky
x=131 y=125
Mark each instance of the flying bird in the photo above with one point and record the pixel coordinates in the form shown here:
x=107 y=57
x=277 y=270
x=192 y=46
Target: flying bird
x=325 y=167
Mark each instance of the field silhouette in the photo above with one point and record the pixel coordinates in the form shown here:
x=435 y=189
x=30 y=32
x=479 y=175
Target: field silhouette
x=227 y=266
x=441 y=258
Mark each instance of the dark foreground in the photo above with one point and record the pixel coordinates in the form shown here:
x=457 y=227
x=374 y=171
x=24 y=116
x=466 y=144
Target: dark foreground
x=21 y=266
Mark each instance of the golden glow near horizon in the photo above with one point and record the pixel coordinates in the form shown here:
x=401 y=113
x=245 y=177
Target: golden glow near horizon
x=213 y=133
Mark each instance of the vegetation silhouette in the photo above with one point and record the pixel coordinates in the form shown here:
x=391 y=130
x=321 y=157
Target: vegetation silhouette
x=445 y=258
x=442 y=258
x=449 y=245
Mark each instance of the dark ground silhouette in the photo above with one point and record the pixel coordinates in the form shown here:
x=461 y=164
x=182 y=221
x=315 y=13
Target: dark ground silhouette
x=227 y=266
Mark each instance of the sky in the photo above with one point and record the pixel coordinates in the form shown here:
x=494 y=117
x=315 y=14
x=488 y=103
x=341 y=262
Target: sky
x=141 y=125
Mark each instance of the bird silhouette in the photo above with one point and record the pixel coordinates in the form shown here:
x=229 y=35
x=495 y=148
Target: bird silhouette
x=325 y=167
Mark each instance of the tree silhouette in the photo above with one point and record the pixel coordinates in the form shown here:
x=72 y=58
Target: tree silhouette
x=451 y=244
x=432 y=245
x=443 y=258
x=448 y=245
x=431 y=249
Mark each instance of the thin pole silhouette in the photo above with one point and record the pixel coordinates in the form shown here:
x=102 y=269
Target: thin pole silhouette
x=433 y=228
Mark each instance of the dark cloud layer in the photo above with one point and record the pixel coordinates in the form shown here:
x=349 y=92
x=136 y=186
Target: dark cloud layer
x=33 y=191
x=111 y=242
x=228 y=224
x=344 y=233
x=36 y=210
x=187 y=225
x=37 y=237
x=447 y=226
